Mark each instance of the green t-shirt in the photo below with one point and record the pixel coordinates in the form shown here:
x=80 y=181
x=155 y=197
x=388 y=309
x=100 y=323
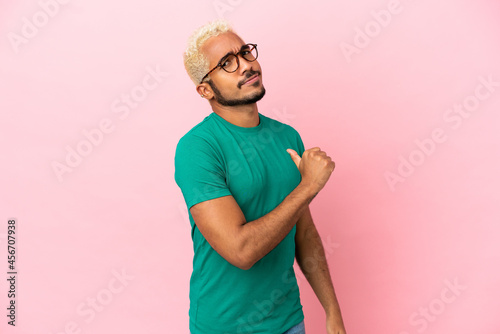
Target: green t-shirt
x=217 y=158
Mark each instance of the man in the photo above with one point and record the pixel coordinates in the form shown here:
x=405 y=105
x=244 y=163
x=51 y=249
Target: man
x=247 y=182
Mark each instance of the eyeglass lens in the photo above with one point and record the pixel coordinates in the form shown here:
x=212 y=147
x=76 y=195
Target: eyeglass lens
x=230 y=63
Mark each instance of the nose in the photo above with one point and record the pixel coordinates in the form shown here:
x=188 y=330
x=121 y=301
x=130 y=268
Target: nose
x=245 y=65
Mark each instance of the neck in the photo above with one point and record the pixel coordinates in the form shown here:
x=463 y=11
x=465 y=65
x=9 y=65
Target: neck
x=246 y=116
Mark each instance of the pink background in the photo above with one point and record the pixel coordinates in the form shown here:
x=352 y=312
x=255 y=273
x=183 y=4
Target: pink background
x=394 y=250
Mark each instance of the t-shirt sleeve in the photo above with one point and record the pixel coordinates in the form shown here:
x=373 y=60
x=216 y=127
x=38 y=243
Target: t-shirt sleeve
x=300 y=145
x=198 y=171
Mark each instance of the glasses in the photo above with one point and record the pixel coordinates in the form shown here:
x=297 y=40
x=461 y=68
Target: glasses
x=231 y=62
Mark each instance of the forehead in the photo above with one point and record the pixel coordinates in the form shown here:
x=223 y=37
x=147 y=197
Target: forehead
x=218 y=46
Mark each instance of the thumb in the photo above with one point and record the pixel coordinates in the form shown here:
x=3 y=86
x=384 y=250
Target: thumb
x=295 y=157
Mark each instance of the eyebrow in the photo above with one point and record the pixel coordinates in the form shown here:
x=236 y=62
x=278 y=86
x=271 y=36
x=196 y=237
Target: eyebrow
x=231 y=53
x=224 y=57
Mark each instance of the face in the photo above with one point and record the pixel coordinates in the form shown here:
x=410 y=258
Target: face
x=244 y=86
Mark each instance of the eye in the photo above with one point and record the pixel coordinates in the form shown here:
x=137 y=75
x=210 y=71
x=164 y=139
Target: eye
x=245 y=51
x=226 y=62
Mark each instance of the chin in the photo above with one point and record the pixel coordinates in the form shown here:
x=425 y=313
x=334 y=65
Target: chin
x=249 y=99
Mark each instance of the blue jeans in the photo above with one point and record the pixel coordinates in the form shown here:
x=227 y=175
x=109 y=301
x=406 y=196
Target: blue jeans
x=297 y=329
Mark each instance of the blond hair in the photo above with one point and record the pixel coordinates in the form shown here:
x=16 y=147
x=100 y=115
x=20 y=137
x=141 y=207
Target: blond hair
x=195 y=62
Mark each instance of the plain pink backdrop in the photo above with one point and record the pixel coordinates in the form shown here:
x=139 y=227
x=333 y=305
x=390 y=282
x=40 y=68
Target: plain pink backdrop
x=104 y=246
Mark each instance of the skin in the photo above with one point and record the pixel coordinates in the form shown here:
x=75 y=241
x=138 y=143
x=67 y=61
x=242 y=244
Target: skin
x=221 y=220
x=227 y=83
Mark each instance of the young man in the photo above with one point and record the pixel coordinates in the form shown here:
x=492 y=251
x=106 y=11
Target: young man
x=247 y=182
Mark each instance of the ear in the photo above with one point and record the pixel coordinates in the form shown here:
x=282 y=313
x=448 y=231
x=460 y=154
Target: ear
x=205 y=91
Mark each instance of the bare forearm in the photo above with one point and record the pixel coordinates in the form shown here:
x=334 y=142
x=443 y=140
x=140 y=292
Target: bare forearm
x=260 y=236
x=312 y=261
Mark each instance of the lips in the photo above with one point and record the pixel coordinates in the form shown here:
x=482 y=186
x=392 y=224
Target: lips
x=252 y=79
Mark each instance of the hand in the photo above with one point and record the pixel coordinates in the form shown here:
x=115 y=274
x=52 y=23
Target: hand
x=315 y=167
x=335 y=325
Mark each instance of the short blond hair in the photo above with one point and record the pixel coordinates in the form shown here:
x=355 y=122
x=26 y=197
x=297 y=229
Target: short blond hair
x=195 y=62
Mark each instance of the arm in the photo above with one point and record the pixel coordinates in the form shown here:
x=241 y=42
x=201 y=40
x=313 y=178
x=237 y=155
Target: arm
x=243 y=243
x=312 y=261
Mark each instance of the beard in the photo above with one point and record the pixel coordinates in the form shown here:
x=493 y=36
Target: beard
x=236 y=102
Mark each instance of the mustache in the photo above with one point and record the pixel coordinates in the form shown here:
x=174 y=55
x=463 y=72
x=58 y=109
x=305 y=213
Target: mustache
x=247 y=76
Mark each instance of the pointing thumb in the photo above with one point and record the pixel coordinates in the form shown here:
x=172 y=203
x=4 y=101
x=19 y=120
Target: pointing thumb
x=295 y=157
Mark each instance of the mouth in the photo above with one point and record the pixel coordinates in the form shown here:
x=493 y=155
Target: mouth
x=252 y=79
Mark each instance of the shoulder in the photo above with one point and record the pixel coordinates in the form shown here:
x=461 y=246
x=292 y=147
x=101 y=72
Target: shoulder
x=277 y=126
x=200 y=146
x=199 y=136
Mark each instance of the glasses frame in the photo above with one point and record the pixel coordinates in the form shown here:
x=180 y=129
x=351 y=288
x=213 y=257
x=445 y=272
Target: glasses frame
x=219 y=64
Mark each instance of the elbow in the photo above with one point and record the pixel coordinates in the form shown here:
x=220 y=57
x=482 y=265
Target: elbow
x=243 y=266
x=246 y=265
x=243 y=259
x=243 y=255
x=237 y=260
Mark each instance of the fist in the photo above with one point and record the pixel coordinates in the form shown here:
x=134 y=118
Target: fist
x=315 y=167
